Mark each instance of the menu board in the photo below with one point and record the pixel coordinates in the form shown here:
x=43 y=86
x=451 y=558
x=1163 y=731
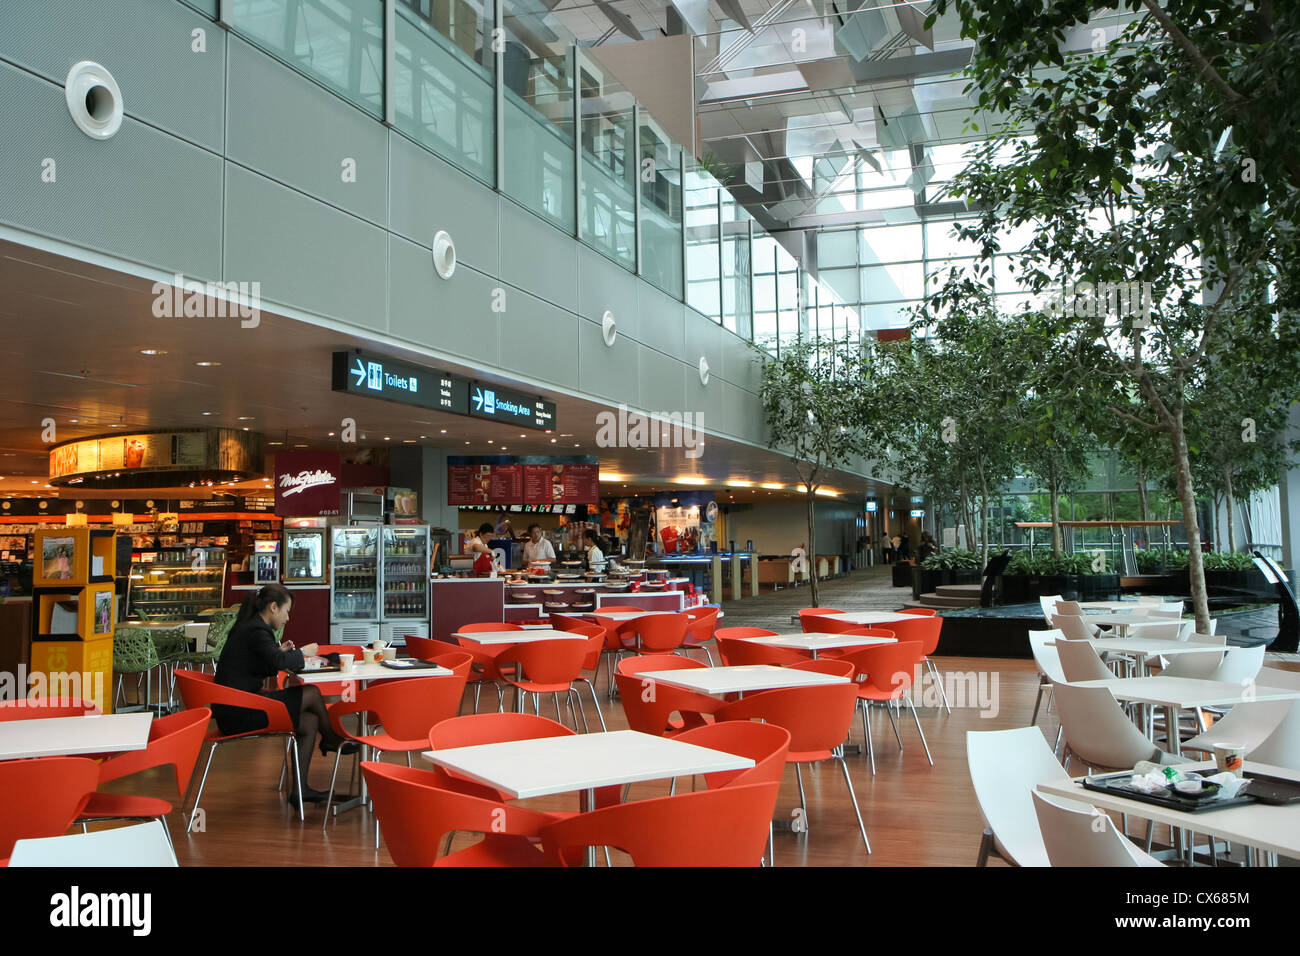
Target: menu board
x=531 y=482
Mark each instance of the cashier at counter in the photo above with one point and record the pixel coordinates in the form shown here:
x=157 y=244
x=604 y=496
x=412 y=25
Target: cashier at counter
x=537 y=547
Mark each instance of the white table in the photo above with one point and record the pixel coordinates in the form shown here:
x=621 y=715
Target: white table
x=1267 y=828
x=1184 y=693
x=69 y=736
x=818 y=642
x=1143 y=647
x=718 y=681
x=1121 y=622
x=1117 y=606
x=583 y=762
x=616 y=615
x=519 y=637
x=866 y=618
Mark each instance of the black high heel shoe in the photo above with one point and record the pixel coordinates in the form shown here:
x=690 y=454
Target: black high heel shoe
x=338 y=743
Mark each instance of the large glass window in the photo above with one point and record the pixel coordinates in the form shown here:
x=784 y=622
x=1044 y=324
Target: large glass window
x=608 y=213
x=703 y=290
x=661 y=208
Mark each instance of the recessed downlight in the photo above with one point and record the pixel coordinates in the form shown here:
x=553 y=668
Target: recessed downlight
x=153 y=351
x=207 y=364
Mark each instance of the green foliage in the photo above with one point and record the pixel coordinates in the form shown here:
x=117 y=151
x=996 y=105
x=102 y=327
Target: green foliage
x=953 y=559
x=1149 y=560
x=1228 y=561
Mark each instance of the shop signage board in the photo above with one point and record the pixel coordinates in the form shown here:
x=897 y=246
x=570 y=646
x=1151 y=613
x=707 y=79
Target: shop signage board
x=307 y=483
x=532 y=482
x=378 y=376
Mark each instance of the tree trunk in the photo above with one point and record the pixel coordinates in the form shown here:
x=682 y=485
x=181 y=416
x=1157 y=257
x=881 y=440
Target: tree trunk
x=1056 y=522
x=812 y=546
x=1142 y=492
x=966 y=517
x=984 y=518
x=1227 y=499
x=1187 y=497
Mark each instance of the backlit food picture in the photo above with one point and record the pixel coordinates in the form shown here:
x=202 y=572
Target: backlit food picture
x=557 y=482
x=103 y=612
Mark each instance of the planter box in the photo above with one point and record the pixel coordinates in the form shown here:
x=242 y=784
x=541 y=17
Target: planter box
x=903 y=575
x=1098 y=587
x=925 y=582
x=1018 y=589
x=1066 y=585
x=1250 y=582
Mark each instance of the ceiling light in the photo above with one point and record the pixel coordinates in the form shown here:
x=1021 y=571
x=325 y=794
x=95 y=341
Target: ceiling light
x=386 y=438
x=489 y=441
x=424 y=436
x=576 y=445
x=741 y=483
x=691 y=480
x=275 y=443
x=207 y=364
x=466 y=443
x=73 y=420
x=245 y=428
x=523 y=436
x=245 y=418
x=443 y=431
x=153 y=351
x=552 y=441
x=408 y=441
x=331 y=435
x=35 y=482
x=299 y=446
x=772 y=485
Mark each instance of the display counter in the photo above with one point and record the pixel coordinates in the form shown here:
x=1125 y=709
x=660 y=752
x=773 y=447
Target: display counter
x=454 y=602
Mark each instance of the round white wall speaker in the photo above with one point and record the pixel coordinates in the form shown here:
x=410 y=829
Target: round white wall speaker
x=94 y=100
x=704 y=370
x=444 y=253
x=608 y=328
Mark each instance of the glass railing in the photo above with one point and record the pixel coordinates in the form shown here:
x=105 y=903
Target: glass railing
x=623 y=187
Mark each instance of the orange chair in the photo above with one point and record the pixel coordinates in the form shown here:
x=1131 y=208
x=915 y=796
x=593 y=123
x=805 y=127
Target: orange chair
x=738 y=652
x=807 y=614
x=884 y=673
x=485 y=660
x=657 y=633
x=42 y=798
x=700 y=631
x=724 y=827
x=595 y=635
x=766 y=744
x=836 y=667
x=854 y=632
x=424 y=648
x=918 y=611
x=40 y=708
x=200 y=690
x=550 y=667
x=565 y=622
x=925 y=630
x=822 y=624
x=735 y=633
x=415 y=814
x=818 y=720
x=407 y=709
x=649 y=706
x=174 y=741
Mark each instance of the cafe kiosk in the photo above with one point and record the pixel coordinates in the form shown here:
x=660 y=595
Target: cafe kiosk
x=73 y=614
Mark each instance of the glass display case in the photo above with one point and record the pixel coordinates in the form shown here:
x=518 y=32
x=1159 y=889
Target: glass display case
x=266 y=562
x=406 y=572
x=169 y=585
x=304 y=556
x=354 y=574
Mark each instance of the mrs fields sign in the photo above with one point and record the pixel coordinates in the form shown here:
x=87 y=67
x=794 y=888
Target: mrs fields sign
x=307 y=483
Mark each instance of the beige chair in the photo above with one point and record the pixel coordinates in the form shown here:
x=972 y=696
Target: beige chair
x=1074 y=627
x=1098 y=733
x=1080 y=662
x=1084 y=837
x=1240 y=665
x=1005 y=766
x=1043 y=646
x=1200 y=666
x=1158 y=630
x=1069 y=607
x=1048 y=604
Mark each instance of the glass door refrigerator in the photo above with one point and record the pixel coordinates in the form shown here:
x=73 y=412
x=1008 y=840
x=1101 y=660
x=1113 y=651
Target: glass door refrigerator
x=354 y=584
x=304 y=556
x=405 y=582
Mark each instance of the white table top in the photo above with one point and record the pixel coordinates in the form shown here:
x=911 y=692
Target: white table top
x=1186 y=692
x=716 y=681
x=1274 y=829
x=364 y=672
x=1151 y=645
x=68 y=736
x=520 y=637
x=865 y=618
x=616 y=615
x=550 y=765
x=1115 y=605
x=1128 y=619
x=817 y=642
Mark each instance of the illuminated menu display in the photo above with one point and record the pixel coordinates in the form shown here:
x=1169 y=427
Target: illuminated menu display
x=536 y=483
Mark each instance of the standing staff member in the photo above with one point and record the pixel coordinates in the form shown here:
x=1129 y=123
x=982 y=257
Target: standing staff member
x=478 y=546
x=595 y=557
x=537 y=547
x=250 y=656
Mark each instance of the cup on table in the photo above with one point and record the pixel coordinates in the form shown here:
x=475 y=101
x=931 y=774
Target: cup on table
x=346 y=662
x=368 y=655
x=390 y=653
x=1229 y=757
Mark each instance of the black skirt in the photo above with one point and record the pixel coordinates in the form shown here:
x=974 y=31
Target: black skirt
x=242 y=720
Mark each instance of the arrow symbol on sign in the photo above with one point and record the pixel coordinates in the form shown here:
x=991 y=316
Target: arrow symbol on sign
x=359 y=372
x=478 y=398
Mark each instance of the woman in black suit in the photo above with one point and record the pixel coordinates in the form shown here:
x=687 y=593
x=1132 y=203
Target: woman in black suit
x=250 y=656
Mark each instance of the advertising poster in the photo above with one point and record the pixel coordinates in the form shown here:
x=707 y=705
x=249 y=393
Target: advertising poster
x=56 y=558
x=103 y=612
x=307 y=483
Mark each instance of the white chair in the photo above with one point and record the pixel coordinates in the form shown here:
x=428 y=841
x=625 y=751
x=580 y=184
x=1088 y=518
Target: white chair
x=1097 y=732
x=1200 y=666
x=1149 y=599
x=1157 y=630
x=1069 y=607
x=1005 y=765
x=143 y=844
x=1080 y=662
x=1043 y=646
x=1241 y=664
x=1281 y=748
x=1268 y=729
x=1084 y=837
x=1074 y=628
x=1048 y=604
x=1170 y=607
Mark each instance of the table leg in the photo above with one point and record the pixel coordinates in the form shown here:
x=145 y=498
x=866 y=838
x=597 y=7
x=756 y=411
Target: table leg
x=588 y=804
x=1171 y=730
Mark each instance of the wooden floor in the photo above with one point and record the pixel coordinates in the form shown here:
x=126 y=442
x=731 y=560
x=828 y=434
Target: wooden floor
x=916 y=814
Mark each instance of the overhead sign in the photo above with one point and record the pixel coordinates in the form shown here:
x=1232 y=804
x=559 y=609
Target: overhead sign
x=378 y=376
x=529 y=480
x=307 y=483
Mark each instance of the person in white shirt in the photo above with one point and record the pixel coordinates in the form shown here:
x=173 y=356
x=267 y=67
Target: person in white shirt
x=537 y=547
x=595 y=557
